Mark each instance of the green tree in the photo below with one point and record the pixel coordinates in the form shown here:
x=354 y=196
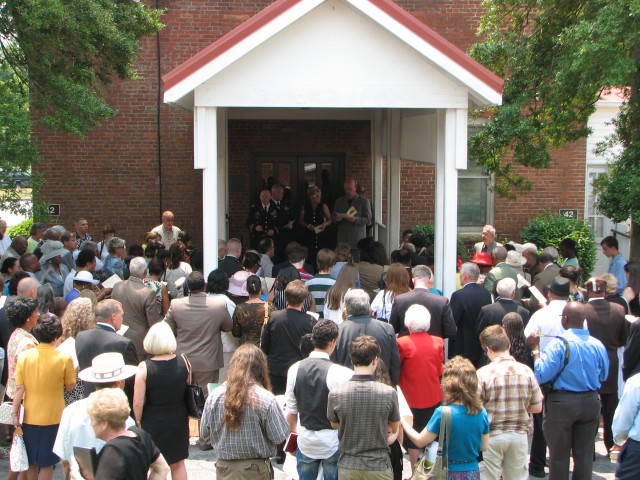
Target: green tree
x=557 y=57
x=56 y=56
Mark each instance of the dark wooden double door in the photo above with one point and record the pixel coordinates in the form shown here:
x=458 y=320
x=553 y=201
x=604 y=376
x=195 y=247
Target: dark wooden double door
x=298 y=172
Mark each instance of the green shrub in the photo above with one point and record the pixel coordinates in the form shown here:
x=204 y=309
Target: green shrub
x=23 y=228
x=428 y=231
x=549 y=230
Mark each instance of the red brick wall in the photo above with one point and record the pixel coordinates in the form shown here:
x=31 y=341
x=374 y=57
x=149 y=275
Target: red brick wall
x=113 y=174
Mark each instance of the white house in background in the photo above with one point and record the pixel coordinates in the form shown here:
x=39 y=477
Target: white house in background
x=602 y=127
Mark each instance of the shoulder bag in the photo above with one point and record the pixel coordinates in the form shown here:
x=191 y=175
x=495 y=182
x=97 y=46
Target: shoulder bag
x=547 y=388
x=193 y=395
x=438 y=470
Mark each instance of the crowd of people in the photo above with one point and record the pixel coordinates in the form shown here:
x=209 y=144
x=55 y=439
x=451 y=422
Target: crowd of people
x=355 y=360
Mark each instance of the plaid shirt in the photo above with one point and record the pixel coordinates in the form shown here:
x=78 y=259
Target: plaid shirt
x=363 y=407
x=262 y=427
x=507 y=389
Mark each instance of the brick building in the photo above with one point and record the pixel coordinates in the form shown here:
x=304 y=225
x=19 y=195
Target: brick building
x=141 y=162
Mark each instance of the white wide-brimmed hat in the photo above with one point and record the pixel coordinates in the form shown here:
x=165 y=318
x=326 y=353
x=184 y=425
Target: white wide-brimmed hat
x=515 y=259
x=106 y=368
x=85 y=277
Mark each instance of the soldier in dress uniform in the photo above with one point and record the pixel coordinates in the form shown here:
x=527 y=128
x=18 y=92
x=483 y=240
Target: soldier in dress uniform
x=284 y=223
x=262 y=220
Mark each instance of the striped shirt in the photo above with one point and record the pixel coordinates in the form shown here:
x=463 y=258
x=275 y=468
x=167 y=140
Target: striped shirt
x=318 y=288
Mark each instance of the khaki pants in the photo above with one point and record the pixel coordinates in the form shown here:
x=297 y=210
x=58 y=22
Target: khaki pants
x=251 y=469
x=507 y=457
x=349 y=474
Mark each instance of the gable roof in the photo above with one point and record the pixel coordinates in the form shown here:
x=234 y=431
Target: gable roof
x=180 y=82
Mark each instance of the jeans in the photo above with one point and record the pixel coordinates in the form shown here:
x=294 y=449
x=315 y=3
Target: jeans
x=308 y=467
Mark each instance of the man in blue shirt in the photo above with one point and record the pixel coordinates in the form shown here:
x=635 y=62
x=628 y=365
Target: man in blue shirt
x=572 y=407
x=616 y=266
x=626 y=426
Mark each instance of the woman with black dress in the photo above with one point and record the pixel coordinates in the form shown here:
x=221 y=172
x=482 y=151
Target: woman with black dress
x=158 y=399
x=128 y=453
x=315 y=218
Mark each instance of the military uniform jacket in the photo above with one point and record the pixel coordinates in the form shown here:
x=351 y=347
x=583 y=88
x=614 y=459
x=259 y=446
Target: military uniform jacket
x=259 y=216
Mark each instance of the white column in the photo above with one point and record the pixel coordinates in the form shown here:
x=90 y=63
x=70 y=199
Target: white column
x=223 y=177
x=378 y=174
x=393 y=178
x=206 y=159
x=451 y=156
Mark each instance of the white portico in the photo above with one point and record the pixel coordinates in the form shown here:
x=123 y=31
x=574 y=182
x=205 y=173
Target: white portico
x=339 y=59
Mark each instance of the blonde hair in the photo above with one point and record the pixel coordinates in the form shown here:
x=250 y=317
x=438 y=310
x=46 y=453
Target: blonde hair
x=160 y=339
x=109 y=405
x=78 y=316
x=460 y=384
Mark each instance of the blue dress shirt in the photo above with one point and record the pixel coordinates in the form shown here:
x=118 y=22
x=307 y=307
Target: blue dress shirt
x=626 y=421
x=588 y=362
x=616 y=268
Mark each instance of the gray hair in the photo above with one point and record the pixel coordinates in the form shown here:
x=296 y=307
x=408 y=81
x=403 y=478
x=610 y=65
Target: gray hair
x=114 y=244
x=59 y=228
x=421 y=272
x=234 y=246
x=137 y=267
x=357 y=302
x=500 y=253
x=89 y=245
x=506 y=287
x=417 y=318
x=471 y=270
x=490 y=229
x=552 y=252
x=105 y=309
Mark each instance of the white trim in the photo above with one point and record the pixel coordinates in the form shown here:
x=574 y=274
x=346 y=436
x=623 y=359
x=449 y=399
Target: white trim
x=480 y=92
x=175 y=93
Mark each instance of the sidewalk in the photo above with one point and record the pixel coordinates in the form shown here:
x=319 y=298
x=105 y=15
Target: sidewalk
x=200 y=466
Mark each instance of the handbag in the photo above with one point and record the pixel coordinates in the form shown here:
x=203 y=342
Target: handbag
x=6 y=410
x=193 y=395
x=438 y=470
x=18 y=456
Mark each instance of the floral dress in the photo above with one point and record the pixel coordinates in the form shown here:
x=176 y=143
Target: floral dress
x=248 y=320
x=20 y=341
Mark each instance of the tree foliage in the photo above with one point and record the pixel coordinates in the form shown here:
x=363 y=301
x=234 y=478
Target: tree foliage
x=67 y=50
x=549 y=230
x=558 y=57
x=56 y=56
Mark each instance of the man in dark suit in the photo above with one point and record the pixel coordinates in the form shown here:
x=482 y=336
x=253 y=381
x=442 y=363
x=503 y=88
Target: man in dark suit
x=505 y=303
x=358 y=323
x=607 y=323
x=442 y=323
x=550 y=270
x=465 y=306
x=230 y=264
x=139 y=304
x=282 y=333
x=197 y=321
x=102 y=339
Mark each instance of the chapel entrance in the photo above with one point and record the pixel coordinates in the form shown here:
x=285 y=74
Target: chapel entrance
x=298 y=172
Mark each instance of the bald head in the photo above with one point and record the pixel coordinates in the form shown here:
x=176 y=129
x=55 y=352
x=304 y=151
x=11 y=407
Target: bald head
x=573 y=315
x=27 y=287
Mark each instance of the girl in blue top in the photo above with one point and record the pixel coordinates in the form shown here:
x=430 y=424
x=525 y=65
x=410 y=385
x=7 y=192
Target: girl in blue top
x=469 y=421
